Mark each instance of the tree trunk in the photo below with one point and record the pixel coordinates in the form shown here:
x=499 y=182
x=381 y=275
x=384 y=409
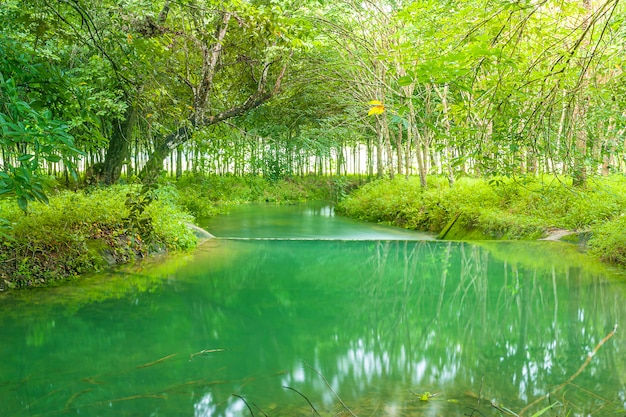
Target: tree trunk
x=579 y=174
x=399 y=148
x=119 y=149
x=162 y=148
x=179 y=162
x=380 y=140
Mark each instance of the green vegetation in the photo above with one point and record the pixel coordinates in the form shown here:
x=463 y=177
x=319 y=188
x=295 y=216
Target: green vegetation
x=86 y=230
x=206 y=196
x=524 y=208
x=270 y=92
x=83 y=231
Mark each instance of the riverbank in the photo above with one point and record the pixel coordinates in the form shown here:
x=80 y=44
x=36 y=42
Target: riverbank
x=84 y=231
x=517 y=209
x=97 y=227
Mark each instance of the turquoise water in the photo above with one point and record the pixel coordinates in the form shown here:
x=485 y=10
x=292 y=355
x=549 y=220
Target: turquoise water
x=301 y=221
x=376 y=324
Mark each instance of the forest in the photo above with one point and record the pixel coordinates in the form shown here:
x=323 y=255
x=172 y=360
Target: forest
x=134 y=91
x=289 y=88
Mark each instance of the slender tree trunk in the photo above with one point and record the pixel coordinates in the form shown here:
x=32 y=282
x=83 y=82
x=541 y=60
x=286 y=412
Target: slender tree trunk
x=399 y=148
x=388 y=150
x=179 y=162
x=449 y=151
x=418 y=144
x=380 y=140
x=579 y=173
x=421 y=167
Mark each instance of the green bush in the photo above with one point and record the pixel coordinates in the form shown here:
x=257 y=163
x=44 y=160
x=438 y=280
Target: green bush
x=79 y=232
x=608 y=241
x=206 y=196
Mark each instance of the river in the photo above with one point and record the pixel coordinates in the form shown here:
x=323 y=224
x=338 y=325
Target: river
x=293 y=309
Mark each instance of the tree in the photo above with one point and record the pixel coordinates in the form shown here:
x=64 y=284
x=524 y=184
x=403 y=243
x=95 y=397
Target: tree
x=34 y=101
x=228 y=72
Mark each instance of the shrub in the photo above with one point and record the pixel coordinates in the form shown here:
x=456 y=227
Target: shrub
x=608 y=241
x=82 y=231
x=521 y=208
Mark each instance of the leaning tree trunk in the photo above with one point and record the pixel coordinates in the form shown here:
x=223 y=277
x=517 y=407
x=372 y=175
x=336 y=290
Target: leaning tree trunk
x=162 y=149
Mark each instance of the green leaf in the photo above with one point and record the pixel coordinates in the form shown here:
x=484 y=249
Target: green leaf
x=40 y=196
x=53 y=158
x=22 y=202
x=541 y=412
x=405 y=81
x=25 y=158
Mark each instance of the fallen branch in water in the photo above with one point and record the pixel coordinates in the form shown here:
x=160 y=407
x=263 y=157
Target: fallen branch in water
x=248 y=405
x=575 y=374
x=204 y=352
x=158 y=361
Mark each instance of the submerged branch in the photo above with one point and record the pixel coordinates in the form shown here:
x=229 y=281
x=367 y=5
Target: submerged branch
x=303 y=396
x=330 y=388
x=575 y=374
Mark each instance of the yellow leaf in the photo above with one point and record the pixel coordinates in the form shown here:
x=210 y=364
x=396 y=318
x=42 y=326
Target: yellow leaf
x=374 y=102
x=378 y=109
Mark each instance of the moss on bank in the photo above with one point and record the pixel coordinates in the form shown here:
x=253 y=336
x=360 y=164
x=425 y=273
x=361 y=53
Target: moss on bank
x=524 y=208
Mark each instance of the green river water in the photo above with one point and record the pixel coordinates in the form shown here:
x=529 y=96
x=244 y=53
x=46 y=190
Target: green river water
x=293 y=304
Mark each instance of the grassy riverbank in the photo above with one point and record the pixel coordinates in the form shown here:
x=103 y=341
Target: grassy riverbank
x=96 y=227
x=524 y=208
x=86 y=230
x=206 y=196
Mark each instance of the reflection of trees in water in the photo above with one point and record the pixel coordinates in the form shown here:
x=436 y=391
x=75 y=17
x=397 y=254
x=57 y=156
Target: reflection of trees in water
x=376 y=318
x=439 y=316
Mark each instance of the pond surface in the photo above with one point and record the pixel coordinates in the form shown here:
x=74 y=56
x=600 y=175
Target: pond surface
x=374 y=321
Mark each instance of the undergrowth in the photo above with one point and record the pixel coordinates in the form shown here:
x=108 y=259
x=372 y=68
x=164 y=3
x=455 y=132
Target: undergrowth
x=521 y=208
x=83 y=231
x=206 y=196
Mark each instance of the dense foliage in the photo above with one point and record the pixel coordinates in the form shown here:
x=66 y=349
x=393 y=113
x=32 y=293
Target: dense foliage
x=282 y=88
x=78 y=232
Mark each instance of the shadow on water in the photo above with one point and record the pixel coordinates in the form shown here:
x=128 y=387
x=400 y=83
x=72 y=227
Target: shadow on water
x=394 y=327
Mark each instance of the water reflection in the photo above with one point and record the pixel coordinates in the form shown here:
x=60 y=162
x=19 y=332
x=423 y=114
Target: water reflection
x=383 y=322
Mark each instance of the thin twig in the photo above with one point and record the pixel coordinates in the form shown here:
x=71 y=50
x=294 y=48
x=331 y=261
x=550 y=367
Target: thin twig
x=330 y=388
x=158 y=361
x=245 y=402
x=303 y=396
